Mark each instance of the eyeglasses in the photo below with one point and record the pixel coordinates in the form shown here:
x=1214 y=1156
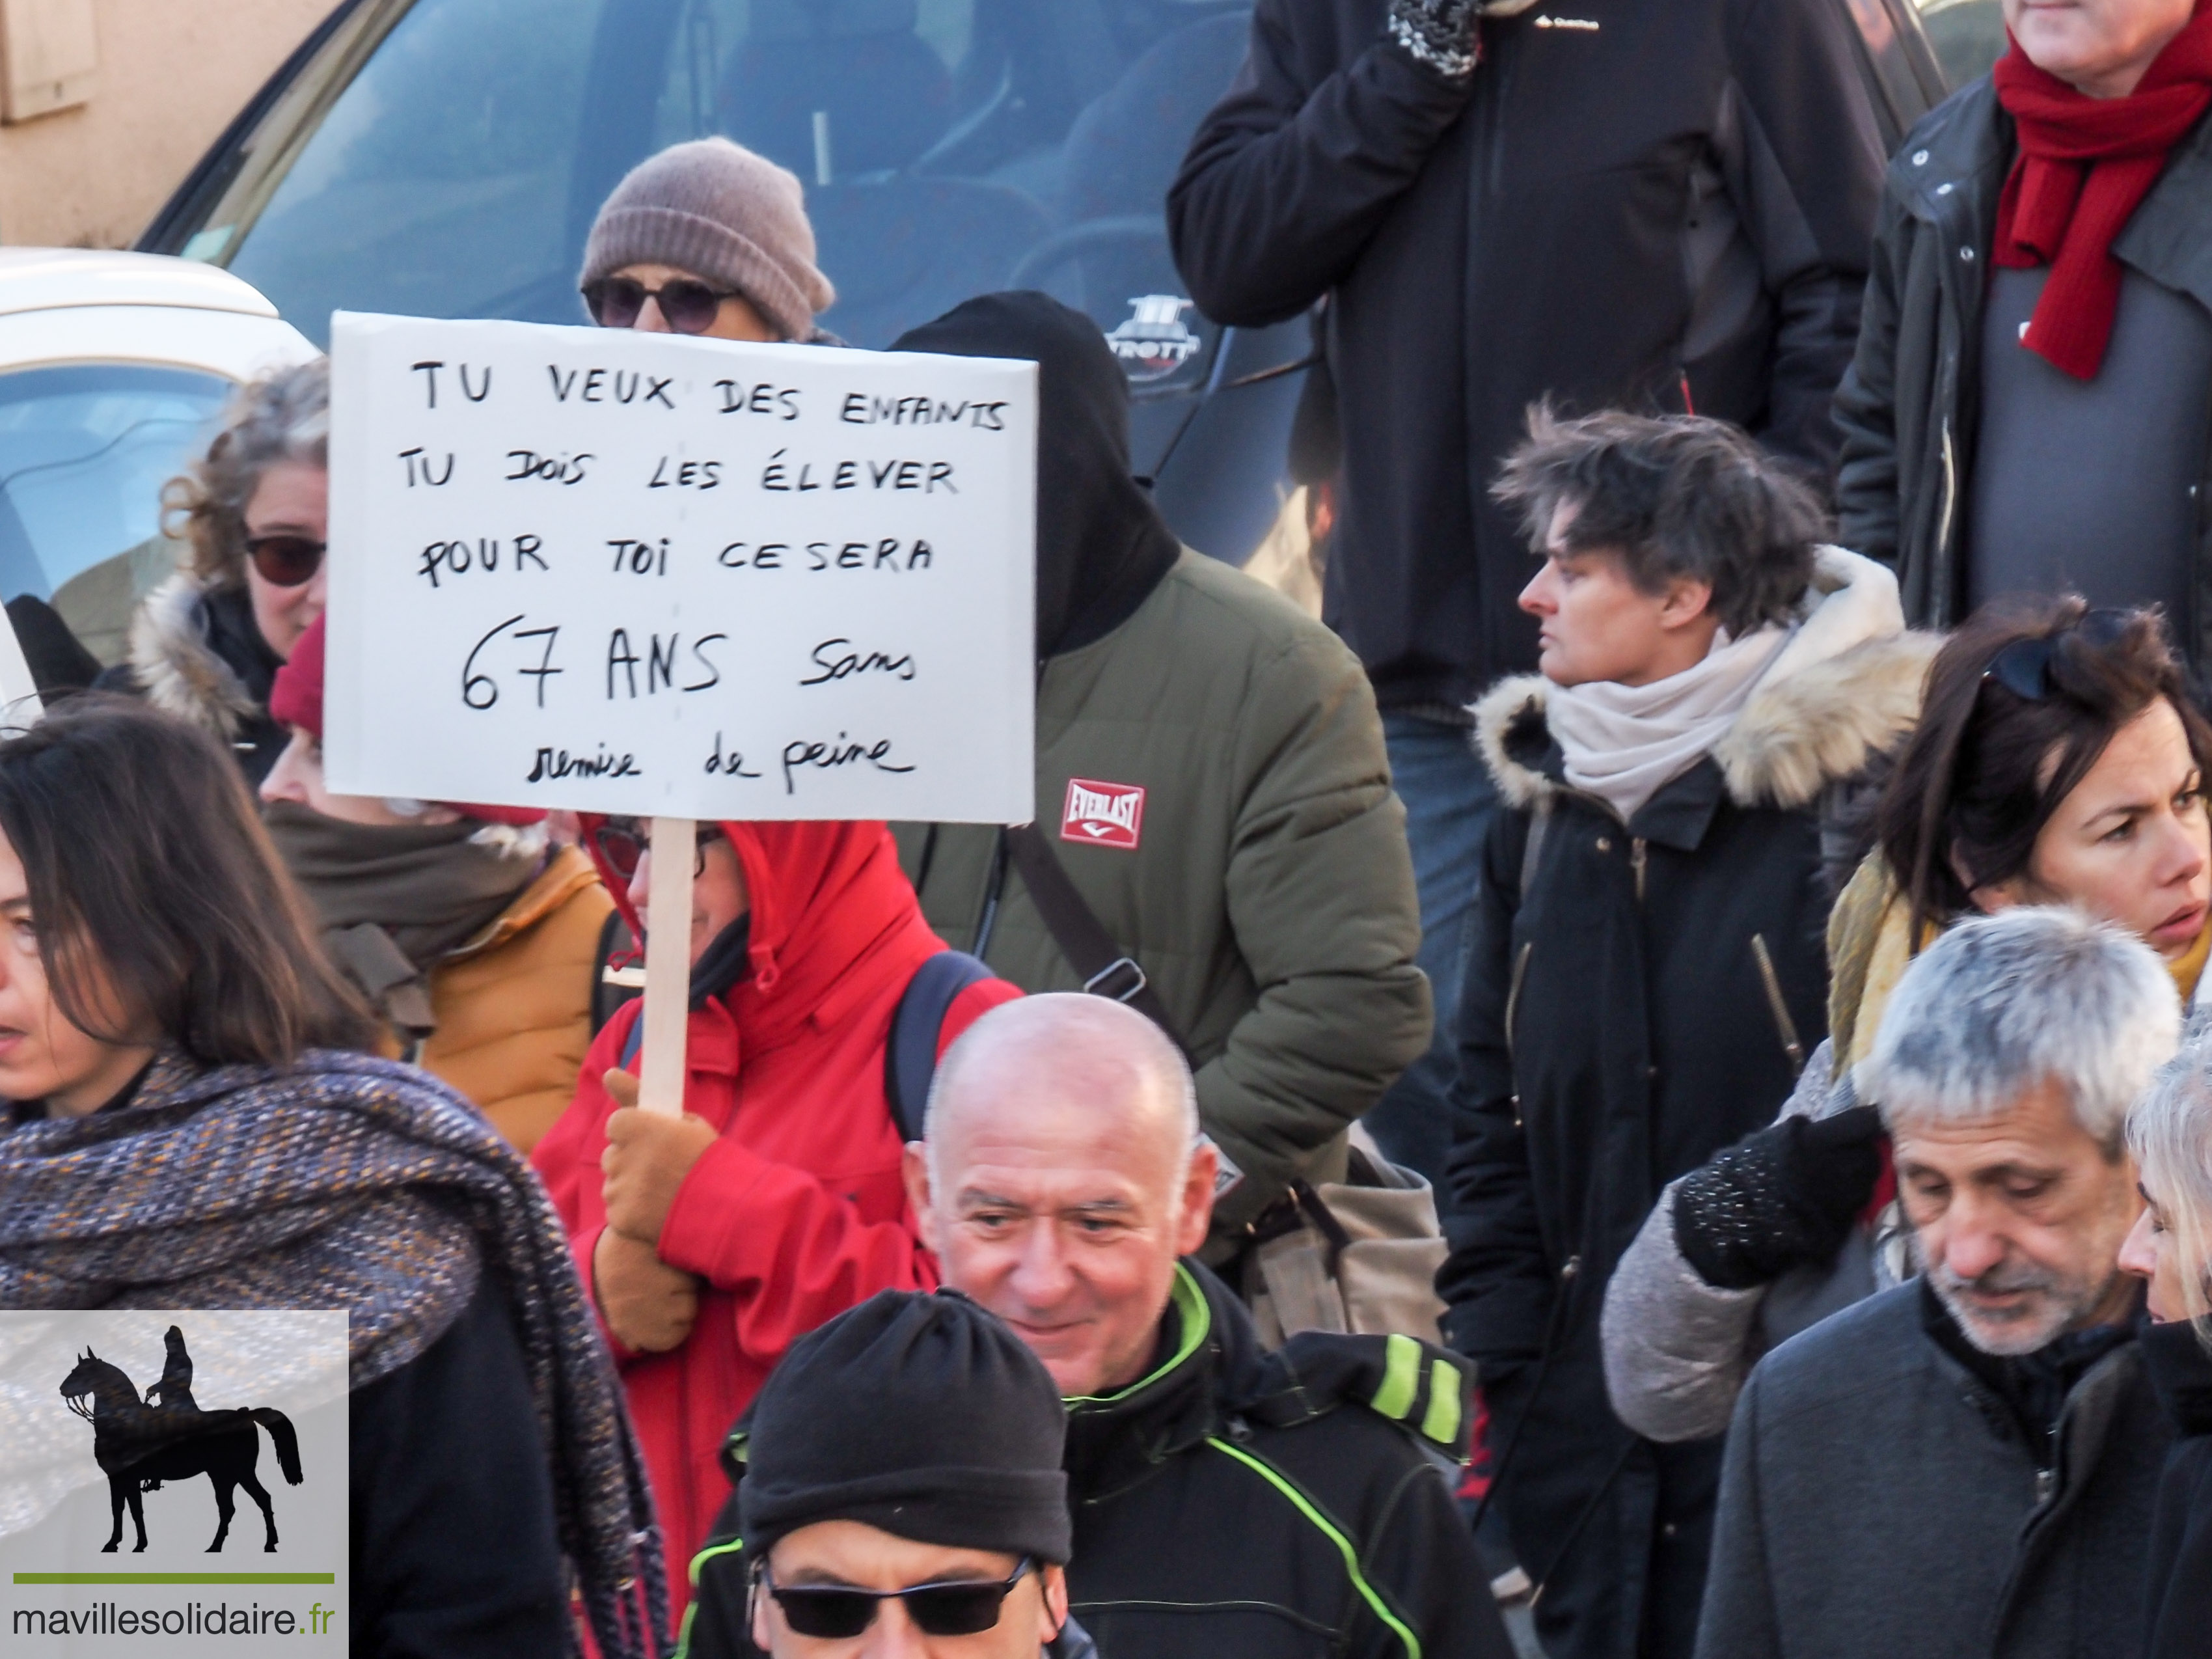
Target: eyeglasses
x=688 y=306
x=623 y=844
x=2023 y=667
x=286 y=561
x=836 y=1613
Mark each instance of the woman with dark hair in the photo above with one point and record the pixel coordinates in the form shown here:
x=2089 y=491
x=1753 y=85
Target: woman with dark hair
x=206 y=644
x=192 y=1124
x=2059 y=760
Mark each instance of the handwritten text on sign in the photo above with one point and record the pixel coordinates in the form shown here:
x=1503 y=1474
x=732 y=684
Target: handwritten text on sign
x=645 y=573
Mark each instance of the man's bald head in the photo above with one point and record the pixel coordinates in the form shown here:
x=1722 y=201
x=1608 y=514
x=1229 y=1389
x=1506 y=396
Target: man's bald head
x=1065 y=1047
x=1062 y=1176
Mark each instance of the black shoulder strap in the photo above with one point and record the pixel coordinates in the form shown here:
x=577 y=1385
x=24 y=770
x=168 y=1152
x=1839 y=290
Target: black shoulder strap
x=1108 y=970
x=918 y=1026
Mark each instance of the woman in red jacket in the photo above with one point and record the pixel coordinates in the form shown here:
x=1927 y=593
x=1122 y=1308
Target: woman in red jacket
x=713 y=1241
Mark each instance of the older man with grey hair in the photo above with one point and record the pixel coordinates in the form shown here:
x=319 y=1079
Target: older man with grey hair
x=1227 y=1501
x=1967 y=1464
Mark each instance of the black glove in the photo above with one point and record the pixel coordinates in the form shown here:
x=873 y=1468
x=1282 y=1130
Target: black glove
x=1440 y=34
x=1778 y=1198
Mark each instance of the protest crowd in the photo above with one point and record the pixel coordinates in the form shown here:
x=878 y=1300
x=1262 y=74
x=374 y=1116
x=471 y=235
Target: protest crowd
x=1636 y=1091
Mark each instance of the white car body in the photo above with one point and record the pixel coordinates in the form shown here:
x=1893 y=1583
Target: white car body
x=75 y=306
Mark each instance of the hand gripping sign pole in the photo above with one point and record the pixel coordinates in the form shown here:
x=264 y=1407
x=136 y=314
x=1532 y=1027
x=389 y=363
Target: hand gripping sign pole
x=678 y=578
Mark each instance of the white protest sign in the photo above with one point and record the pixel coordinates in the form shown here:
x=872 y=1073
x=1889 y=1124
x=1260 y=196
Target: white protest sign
x=659 y=575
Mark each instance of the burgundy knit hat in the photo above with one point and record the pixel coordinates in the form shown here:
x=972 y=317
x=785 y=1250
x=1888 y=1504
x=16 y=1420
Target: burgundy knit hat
x=722 y=213
x=297 y=699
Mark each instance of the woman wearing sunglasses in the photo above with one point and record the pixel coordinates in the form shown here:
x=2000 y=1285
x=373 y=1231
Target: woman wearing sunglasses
x=707 y=239
x=2058 y=761
x=2170 y=1134
x=476 y=941
x=206 y=645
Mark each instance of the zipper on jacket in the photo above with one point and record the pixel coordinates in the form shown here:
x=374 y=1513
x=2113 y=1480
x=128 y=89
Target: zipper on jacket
x=1513 y=993
x=1950 y=494
x=1783 y=1025
x=1635 y=862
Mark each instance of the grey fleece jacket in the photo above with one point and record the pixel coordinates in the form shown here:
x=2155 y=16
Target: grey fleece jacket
x=1677 y=1349
x=1878 y=1499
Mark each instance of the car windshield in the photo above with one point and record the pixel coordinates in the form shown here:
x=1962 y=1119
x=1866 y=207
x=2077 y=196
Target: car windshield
x=84 y=452
x=445 y=158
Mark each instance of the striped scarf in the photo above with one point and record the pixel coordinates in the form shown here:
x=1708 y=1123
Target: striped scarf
x=347 y=1183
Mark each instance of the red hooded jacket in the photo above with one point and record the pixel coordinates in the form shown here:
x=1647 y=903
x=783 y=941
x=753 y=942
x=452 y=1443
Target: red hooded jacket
x=798 y=1213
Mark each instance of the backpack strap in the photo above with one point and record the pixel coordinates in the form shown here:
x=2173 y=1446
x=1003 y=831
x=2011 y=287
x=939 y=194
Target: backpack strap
x=917 y=1028
x=1108 y=970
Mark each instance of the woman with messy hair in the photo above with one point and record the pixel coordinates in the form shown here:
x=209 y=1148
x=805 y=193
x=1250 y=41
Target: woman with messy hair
x=207 y=643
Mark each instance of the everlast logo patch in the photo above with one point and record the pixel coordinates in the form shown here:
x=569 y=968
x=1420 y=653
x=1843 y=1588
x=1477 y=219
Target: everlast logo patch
x=1102 y=814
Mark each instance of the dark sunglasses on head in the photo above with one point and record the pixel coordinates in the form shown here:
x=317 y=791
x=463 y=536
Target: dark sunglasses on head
x=623 y=844
x=836 y=1613
x=2023 y=667
x=285 y=561
x=688 y=306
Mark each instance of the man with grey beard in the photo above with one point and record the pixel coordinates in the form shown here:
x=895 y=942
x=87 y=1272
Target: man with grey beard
x=1967 y=1464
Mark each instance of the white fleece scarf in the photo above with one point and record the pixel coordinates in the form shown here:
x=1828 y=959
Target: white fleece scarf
x=1625 y=743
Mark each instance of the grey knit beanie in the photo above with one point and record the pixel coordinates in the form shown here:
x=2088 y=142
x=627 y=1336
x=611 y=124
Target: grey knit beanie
x=718 y=210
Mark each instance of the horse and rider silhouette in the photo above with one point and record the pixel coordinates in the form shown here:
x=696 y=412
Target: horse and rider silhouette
x=139 y=1444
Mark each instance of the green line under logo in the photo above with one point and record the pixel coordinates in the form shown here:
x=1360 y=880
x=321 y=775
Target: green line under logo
x=176 y=1578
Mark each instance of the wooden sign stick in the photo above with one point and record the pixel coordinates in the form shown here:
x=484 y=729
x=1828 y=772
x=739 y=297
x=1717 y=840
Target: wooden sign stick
x=667 y=967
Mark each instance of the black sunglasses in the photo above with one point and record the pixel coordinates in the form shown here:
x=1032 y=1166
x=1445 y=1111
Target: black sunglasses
x=623 y=844
x=2023 y=667
x=836 y=1613
x=688 y=306
x=286 y=561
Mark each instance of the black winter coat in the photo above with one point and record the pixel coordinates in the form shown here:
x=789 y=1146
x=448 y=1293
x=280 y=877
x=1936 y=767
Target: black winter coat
x=2178 y=1616
x=1633 y=204
x=1646 y=999
x=1908 y=407
x=1240 y=1505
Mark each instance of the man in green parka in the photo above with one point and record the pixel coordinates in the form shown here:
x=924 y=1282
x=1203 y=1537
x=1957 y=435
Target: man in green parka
x=1210 y=779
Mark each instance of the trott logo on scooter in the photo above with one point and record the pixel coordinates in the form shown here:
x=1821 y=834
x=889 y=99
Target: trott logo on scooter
x=1102 y=814
x=1154 y=340
x=138 y=1445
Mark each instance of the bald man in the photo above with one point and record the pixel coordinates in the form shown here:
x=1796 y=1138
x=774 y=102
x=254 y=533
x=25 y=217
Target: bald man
x=1227 y=1501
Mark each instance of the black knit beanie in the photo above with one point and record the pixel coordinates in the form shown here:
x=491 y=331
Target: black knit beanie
x=920 y=1415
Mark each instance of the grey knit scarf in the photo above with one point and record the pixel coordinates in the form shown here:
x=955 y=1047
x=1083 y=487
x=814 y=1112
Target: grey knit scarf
x=350 y=1182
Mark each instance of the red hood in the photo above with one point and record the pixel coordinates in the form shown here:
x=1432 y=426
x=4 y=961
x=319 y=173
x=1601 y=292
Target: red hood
x=825 y=896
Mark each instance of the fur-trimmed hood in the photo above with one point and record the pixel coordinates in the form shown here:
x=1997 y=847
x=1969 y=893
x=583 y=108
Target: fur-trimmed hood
x=179 y=658
x=1844 y=689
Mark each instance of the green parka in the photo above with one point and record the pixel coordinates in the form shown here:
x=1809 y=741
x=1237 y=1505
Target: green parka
x=1269 y=898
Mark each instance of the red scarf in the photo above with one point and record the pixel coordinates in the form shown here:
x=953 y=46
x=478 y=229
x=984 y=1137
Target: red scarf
x=2085 y=164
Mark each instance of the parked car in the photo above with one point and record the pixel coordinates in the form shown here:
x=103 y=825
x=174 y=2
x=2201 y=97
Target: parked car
x=445 y=158
x=113 y=367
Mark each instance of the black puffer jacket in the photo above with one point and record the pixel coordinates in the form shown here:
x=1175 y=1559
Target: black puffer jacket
x=1908 y=407
x=1629 y=205
x=1240 y=1505
x=1646 y=1000
x=2177 y=1619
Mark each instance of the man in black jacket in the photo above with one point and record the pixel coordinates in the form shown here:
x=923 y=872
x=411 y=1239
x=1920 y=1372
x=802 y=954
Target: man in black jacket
x=1660 y=206
x=2005 y=429
x=1227 y=1501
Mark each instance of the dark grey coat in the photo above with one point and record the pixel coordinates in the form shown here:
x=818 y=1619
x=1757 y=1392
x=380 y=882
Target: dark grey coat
x=1877 y=1499
x=1907 y=407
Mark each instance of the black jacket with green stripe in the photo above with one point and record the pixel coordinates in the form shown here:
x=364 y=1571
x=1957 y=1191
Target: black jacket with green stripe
x=1242 y=1504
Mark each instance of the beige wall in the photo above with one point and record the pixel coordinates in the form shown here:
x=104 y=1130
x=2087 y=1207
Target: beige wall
x=171 y=75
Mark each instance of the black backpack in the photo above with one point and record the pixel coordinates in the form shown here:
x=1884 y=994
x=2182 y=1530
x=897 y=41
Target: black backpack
x=917 y=1028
